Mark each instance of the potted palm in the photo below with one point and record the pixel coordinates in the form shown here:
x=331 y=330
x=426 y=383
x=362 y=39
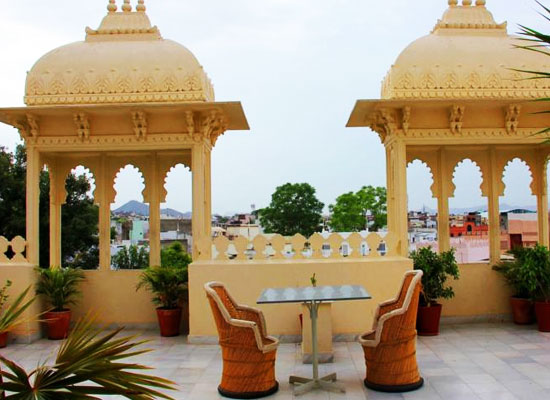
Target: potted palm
x=522 y=306
x=168 y=283
x=12 y=316
x=88 y=366
x=535 y=272
x=437 y=268
x=60 y=288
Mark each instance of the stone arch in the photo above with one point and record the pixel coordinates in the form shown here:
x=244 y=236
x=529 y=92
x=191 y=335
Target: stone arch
x=428 y=166
x=455 y=168
x=530 y=169
x=166 y=172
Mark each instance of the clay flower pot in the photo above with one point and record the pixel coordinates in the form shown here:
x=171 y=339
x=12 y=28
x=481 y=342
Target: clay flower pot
x=542 y=310
x=58 y=323
x=427 y=320
x=169 y=321
x=3 y=339
x=523 y=312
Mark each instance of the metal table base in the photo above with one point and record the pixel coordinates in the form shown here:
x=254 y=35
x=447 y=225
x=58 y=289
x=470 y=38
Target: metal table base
x=328 y=383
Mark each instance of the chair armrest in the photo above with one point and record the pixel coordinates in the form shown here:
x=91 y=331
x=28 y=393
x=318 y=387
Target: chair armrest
x=388 y=306
x=252 y=333
x=254 y=315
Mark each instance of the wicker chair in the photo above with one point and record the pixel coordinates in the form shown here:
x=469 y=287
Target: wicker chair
x=390 y=347
x=248 y=353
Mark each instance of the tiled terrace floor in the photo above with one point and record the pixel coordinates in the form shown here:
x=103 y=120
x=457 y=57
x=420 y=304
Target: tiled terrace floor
x=481 y=361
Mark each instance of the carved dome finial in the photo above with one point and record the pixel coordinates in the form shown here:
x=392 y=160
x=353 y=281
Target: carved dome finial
x=480 y=3
x=112 y=6
x=141 y=6
x=466 y=3
x=453 y=3
x=127 y=7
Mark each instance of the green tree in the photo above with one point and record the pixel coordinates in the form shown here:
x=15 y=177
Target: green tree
x=294 y=209
x=131 y=258
x=350 y=212
x=79 y=214
x=174 y=256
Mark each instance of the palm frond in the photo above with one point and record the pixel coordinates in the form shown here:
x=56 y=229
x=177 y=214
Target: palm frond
x=11 y=317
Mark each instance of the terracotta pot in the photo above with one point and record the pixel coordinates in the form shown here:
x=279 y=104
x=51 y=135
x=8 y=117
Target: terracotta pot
x=523 y=311
x=58 y=323
x=3 y=339
x=169 y=321
x=427 y=320
x=542 y=310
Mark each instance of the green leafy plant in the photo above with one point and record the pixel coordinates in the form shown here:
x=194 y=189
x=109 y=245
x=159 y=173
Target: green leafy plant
x=12 y=316
x=168 y=285
x=535 y=272
x=133 y=257
x=437 y=268
x=313 y=280
x=60 y=286
x=175 y=256
x=87 y=365
x=512 y=271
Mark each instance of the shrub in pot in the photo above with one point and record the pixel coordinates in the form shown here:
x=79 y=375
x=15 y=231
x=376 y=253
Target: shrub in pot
x=437 y=268
x=535 y=272
x=168 y=283
x=11 y=316
x=522 y=307
x=60 y=287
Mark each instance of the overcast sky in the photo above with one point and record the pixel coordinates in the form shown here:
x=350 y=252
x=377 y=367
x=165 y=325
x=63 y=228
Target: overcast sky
x=297 y=66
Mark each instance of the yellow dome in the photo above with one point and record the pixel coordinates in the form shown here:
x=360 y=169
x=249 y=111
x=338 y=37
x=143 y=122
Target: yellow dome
x=125 y=60
x=467 y=56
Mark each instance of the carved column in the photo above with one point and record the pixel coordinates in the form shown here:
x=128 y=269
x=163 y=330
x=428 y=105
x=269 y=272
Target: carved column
x=494 y=182
x=33 y=204
x=57 y=199
x=396 y=170
x=541 y=191
x=198 y=163
x=105 y=185
x=154 y=211
x=441 y=178
x=208 y=195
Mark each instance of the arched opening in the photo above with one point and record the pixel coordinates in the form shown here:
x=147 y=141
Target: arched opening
x=518 y=208
x=79 y=221
x=175 y=212
x=468 y=215
x=422 y=206
x=129 y=221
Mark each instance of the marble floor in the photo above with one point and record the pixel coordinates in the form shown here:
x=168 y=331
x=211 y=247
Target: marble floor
x=477 y=361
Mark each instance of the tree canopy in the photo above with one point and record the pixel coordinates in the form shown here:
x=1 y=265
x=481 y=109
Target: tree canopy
x=351 y=210
x=79 y=215
x=294 y=208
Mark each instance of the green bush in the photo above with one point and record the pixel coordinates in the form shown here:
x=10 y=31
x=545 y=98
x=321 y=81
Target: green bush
x=168 y=283
x=60 y=286
x=512 y=271
x=535 y=272
x=131 y=258
x=437 y=268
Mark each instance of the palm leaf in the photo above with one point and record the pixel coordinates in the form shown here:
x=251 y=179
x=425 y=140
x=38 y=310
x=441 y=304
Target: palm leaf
x=12 y=316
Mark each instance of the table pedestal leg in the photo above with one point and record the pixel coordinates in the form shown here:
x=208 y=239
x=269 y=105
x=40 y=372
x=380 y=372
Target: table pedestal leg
x=327 y=383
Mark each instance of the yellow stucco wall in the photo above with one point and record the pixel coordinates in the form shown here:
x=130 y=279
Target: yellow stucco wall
x=112 y=296
x=480 y=291
x=245 y=281
x=22 y=276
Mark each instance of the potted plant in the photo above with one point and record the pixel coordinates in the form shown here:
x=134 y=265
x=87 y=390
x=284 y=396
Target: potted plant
x=535 y=272
x=11 y=316
x=89 y=365
x=168 y=283
x=522 y=306
x=437 y=268
x=60 y=287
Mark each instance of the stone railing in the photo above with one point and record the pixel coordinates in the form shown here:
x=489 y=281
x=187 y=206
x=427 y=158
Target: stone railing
x=278 y=247
x=17 y=245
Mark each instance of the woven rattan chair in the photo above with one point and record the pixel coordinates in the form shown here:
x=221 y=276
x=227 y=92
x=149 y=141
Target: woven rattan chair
x=390 y=347
x=248 y=353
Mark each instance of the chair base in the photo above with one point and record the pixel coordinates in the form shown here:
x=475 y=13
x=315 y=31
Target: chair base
x=249 y=395
x=395 y=388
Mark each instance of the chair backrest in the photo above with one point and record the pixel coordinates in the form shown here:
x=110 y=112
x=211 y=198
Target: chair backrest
x=396 y=318
x=223 y=307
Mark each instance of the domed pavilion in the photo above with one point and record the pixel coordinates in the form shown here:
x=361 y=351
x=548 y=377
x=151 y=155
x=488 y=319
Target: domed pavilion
x=457 y=94
x=124 y=95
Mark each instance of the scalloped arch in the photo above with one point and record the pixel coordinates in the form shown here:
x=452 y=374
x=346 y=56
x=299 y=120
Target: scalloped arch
x=423 y=162
x=477 y=165
x=141 y=173
x=166 y=173
x=524 y=162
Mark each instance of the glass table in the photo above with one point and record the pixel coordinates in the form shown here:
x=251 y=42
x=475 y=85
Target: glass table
x=313 y=297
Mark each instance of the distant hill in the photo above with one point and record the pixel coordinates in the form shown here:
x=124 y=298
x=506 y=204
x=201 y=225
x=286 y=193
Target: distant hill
x=138 y=208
